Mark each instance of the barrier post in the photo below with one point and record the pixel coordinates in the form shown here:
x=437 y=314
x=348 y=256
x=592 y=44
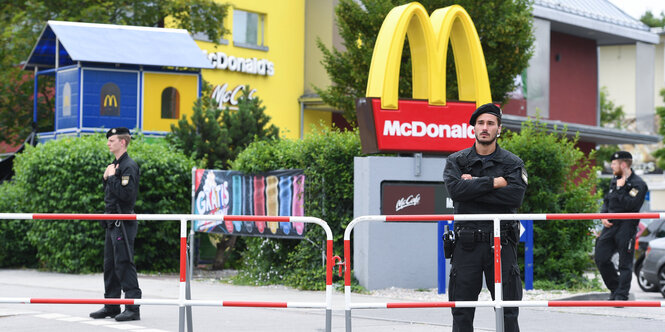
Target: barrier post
x=498 y=289
x=183 y=274
x=188 y=291
x=528 y=255
x=441 y=257
x=347 y=280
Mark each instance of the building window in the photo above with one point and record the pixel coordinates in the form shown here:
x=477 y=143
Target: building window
x=170 y=103
x=249 y=30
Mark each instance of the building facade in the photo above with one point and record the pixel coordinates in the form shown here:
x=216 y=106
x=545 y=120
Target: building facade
x=272 y=49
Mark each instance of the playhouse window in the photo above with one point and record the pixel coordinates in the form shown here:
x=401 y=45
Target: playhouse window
x=170 y=103
x=249 y=29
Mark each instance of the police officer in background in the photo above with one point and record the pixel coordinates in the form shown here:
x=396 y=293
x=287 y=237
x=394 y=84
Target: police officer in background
x=121 y=186
x=484 y=179
x=626 y=194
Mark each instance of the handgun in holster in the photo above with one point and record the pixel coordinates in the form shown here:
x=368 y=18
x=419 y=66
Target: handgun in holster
x=448 y=243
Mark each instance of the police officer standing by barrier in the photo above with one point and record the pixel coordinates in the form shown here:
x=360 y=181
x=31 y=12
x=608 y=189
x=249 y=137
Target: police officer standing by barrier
x=484 y=179
x=121 y=185
x=626 y=194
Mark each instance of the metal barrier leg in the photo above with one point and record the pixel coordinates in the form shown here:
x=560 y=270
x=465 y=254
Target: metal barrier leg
x=328 y=320
x=348 y=320
x=183 y=274
x=498 y=289
x=188 y=285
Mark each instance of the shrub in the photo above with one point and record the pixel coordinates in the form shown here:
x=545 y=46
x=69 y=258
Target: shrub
x=326 y=156
x=64 y=176
x=561 y=180
x=15 y=249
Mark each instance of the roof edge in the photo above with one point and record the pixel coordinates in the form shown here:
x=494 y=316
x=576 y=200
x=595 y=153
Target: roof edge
x=594 y=134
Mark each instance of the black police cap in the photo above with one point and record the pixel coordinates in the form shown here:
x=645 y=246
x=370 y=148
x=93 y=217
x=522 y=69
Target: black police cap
x=622 y=155
x=487 y=108
x=117 y=131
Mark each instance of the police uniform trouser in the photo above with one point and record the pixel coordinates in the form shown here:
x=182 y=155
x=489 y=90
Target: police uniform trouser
x=119 y=271
x=468 y=267
x=618 y=238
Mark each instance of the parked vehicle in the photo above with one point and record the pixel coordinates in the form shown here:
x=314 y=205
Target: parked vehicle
x=653 y=267
x=655 y=228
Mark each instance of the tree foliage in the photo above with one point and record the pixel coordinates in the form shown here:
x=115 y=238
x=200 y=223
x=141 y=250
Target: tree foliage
x=660 y=153
x=611 y=116
x=504 y=27
x=21 y=23
x=562 y=179
x=217 y=136
x=652 y=21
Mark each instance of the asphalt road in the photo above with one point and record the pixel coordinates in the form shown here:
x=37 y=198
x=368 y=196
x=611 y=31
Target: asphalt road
x=74 y=317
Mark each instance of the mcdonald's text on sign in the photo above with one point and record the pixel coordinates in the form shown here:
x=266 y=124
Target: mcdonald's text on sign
x=427 y=122
x=416 y=125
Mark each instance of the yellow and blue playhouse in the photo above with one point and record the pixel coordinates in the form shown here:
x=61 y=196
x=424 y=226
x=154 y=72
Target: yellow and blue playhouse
x=109 y=76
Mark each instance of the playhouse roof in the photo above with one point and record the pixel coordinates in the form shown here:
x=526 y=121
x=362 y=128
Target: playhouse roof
x=115 y=44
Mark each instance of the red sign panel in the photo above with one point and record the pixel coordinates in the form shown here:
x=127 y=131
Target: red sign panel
x=415 y=126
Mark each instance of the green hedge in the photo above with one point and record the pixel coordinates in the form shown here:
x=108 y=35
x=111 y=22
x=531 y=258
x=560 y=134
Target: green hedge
x=64 y=176
x=326 y=156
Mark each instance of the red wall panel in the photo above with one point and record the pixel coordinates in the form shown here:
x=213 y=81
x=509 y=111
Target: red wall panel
x=573 y=79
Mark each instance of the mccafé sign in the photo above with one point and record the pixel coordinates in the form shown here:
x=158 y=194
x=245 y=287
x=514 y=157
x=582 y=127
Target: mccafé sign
x=426 y=123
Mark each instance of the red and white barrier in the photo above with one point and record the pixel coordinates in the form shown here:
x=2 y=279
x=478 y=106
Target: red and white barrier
x=498 y=303
x=181 y=301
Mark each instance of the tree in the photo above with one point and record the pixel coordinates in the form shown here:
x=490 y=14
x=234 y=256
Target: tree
x=21 y=23
x=611 y=116
x=652 y=21
x=504 y=27
x=660 y=153
x=561 y=180
x=216 y=138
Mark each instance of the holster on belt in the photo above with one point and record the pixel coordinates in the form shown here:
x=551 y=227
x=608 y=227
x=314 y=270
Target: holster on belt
x=448 y=243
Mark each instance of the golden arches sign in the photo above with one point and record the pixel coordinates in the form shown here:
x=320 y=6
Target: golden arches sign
x=426 y=123
x=428 y=40
x=111 y=101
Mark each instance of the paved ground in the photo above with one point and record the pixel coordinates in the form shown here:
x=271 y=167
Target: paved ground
x=73 y=318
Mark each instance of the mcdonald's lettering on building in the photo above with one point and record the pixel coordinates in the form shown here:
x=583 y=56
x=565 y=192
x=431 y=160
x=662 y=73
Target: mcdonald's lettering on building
x=427 y=122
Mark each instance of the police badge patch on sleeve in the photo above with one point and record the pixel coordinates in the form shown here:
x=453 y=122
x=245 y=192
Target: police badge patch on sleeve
x=525 y=177
x=125 y=180
x=633 y=192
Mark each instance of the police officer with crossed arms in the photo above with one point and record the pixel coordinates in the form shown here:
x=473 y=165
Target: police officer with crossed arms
x=626 y=194
x=121 y=186
x=484 y=179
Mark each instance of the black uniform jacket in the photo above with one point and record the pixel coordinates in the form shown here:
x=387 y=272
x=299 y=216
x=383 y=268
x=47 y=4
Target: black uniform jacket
x=478 y=194
x=121 y=189
x=628 y=198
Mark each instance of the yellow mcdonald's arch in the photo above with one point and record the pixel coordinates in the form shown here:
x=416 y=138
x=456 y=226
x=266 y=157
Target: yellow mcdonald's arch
x=428 y=40
x=110 y=100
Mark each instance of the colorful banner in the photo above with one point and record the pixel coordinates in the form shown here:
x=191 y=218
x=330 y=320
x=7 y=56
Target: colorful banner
x=276 y=193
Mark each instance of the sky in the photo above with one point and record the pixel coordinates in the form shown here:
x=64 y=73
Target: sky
x=636 y=8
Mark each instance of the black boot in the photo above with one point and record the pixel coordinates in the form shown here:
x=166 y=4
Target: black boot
x=107 y=311
x=130 y=313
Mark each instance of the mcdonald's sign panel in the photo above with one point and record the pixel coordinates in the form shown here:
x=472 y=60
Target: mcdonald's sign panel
x=110 y=98
x=427 y=122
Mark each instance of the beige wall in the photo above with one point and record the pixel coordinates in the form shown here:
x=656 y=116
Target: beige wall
x=659 y=78
x=617 y=73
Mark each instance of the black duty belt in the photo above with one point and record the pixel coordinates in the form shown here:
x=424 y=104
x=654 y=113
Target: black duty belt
x=480 y=235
